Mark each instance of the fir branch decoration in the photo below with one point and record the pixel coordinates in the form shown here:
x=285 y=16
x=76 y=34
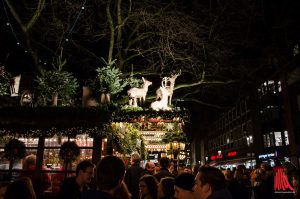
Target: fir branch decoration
x=14 y=150
x=174 y=136
x=109 y=78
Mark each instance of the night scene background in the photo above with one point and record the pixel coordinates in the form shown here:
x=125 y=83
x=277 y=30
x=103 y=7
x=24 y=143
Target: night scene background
x=223 y=49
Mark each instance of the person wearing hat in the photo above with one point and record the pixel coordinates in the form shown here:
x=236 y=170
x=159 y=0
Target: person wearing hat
x=183 y=185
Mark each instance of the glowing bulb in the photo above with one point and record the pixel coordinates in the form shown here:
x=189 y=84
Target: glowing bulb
x=7 y=23
x=82 y=8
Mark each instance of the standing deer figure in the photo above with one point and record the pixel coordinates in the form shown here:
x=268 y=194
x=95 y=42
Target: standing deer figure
x=138 y=93
x=162 y=104
x=168 y=83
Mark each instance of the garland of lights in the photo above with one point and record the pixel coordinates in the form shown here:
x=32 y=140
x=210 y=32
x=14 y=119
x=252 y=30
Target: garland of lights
x=12 y=122
x=69 y=152
x=14 y=150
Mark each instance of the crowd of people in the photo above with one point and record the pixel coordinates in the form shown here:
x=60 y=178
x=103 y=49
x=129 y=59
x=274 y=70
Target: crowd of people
x=110 y=179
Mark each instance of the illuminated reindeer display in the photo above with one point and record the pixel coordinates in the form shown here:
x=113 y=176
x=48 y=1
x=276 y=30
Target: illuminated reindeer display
x=168 y=83
x=138 y=93
x=161 y=104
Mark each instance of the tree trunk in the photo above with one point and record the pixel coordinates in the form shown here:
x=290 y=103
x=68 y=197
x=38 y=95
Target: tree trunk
x=54 y=99
x=105 y=98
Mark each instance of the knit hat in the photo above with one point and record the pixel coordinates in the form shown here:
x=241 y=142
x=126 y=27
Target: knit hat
x=185 y=181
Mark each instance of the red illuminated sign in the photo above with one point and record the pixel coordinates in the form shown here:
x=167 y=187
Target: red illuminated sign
x=219 y=156
x=232 y=153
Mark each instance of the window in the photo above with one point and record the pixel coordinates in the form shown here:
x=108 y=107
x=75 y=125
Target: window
x=51 y=160
x=249 y=140
x=278 y=138
x=268 y=143
x=286 y=138
x=272 y=138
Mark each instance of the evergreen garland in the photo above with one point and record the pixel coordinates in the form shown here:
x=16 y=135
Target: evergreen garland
x=69 y=152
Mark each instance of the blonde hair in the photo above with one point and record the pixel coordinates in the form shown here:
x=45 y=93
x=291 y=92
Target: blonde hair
x=29 y=161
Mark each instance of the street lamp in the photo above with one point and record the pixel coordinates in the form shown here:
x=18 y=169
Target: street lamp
x=174 y=148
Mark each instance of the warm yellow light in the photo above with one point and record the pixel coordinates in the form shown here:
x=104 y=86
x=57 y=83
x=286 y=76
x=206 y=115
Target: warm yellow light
x=175 y=145
x=182 y=146
x=168 y=146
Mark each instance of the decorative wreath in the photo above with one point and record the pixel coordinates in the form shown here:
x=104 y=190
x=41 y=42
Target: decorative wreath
x=69 y=151
x=15 y=149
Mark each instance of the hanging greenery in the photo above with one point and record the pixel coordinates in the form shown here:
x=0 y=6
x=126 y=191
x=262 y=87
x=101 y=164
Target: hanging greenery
x=174 y=136
x=14 y=150
x=69 y=152
x=4 y=81
x=126 y=139
x=109 y=78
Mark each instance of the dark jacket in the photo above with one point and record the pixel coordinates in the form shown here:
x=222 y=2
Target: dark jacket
x=163 y=172
x=70 y=189
x=92 y=194
x=146 y=172
x=132 y=177
x=220 y=194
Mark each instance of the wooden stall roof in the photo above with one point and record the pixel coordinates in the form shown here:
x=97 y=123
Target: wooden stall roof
x=27 y=118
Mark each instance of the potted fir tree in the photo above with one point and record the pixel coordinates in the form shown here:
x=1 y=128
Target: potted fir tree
x=109 y=81
x=57 y=83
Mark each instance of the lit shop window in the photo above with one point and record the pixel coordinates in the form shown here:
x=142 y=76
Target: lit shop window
x=267 y=142
x=278 y=138
x=269 y=87
x=249 y=140
x=286 y=138
x=272 y=138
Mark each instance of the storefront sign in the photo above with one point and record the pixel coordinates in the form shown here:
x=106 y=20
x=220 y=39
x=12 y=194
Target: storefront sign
x=231 y=154
x=266 y=155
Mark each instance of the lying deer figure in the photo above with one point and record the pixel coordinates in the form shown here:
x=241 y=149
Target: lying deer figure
x=162 y=104
x=138 y=93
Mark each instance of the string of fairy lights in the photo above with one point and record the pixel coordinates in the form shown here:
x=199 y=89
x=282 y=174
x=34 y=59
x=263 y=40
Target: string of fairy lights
x=67 y=34
x=36 y=126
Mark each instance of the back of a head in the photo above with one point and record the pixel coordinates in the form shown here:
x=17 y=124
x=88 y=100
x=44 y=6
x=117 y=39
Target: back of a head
x=212 y=176
x=110 y=171
x=164 y=162
x=83 y=165
x=135 y=158
x=167 y=184
x=185 y=181
x=151 y=183
x=29 y=161
x=21 y=188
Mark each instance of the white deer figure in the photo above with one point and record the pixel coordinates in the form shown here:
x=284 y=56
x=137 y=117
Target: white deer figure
x=168 y=83
x=162 y=104
x=138 y=93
